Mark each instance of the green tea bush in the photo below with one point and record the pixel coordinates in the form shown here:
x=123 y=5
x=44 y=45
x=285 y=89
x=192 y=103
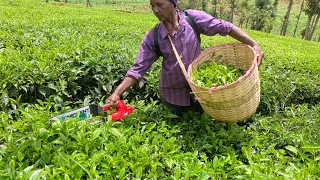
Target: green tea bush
x=76 y=53
x=150 y=144
x=52 y=54
x=80 y=57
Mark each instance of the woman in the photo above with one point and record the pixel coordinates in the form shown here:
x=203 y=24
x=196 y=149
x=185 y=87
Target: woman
x=174 y=88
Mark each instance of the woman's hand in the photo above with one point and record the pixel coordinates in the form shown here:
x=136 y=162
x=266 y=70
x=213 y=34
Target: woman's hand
x=258 y=52
x=243 y=37
x=112 y=100
x=115 y=96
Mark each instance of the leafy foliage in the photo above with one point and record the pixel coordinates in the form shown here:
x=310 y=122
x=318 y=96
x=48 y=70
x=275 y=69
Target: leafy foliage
x=150 y=144
x=47 y=57
x=212 y=74
x=50 y=63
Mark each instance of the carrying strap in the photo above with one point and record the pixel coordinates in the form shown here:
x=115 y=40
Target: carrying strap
x=188 y=19
x=184 y=71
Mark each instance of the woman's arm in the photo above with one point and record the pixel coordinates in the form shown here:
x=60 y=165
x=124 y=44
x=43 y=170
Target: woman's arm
x=125 y=85
x=243 y=37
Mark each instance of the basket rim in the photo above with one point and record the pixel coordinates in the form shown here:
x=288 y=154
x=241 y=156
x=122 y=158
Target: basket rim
x=217 y=88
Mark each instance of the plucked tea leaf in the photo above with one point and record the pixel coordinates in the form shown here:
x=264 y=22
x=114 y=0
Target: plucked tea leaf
x=292 y=149
x=210 y=74
x=37 y=174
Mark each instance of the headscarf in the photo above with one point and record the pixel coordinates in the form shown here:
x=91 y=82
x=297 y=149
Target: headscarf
x=174 y=2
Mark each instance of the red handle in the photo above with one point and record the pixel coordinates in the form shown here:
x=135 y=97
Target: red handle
x=119 y=103
x=117 y=115
x=122 y=110
x=105 y=107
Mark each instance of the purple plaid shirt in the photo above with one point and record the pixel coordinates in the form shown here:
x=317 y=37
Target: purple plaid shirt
x=174 y=87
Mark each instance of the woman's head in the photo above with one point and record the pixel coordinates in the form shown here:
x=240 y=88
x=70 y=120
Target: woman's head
x=163 y=9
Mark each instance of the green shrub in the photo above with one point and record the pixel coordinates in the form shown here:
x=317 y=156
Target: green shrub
x=83 y=53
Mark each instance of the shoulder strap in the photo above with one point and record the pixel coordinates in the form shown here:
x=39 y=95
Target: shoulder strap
x=188 y=19
x=156 y=42
x=192 y=24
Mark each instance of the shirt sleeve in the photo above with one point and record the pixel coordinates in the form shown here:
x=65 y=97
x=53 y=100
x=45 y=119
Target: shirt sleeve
x=146 y=57
x=209 y=25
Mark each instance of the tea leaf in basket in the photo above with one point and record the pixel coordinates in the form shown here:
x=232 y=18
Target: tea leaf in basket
x=216 y=58
x=210 y=73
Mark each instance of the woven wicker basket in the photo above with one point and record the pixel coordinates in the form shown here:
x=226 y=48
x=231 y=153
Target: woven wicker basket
x=233 y=102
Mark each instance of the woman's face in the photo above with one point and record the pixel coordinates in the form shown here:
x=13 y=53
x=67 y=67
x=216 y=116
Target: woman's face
x=162 y=9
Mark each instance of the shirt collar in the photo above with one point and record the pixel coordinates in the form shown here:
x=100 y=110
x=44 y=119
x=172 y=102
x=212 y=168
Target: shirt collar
x=164 y=31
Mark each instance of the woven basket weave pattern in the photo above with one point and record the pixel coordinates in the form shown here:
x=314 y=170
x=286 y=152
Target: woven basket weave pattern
x=234 y=102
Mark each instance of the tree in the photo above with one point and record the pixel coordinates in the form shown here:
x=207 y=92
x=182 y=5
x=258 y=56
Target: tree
x=314 y=26
x=264 y=15
x=223 y=10
x=243 y=6
x=183 y=4
x=232 y=7
x=214 y=7
x=312 y=10
x=193 y=4
x=204 y=4
x=286 y=19
x=295 y=29
x=245 y=11
x=88 y=3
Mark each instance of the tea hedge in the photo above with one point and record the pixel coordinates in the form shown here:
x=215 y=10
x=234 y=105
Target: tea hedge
x=78 y=53
x=52 y=55
x=149 y=144
x=57 y=56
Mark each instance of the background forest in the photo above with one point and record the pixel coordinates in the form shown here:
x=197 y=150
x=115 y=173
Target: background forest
x=297 y=18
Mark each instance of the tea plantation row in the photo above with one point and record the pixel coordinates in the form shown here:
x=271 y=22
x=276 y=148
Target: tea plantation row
x=75 y=53
x=55 y=57
x=148 y=144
